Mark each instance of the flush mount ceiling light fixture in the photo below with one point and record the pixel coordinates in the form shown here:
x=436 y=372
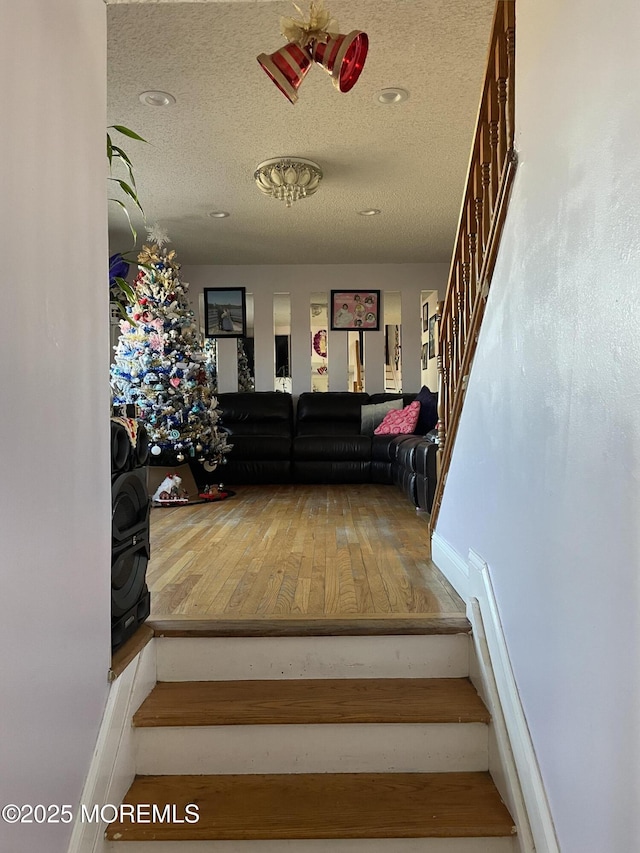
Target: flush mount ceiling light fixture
x=218 y=214
x=370 y=211
x=154 y=98
x=288 y=178
x=391 y=96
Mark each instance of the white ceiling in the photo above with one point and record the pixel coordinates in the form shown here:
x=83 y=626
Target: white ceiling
x=408 y=160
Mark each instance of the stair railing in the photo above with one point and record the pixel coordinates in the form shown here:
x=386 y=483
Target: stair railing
x=397 y=382
x=484 y=206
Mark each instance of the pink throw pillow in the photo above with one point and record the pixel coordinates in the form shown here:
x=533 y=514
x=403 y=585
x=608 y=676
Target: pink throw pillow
x=400 y=421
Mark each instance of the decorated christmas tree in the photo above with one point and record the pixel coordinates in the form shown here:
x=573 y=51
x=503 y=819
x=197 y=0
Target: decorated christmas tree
x=211 y=363
x=245 y=379
x=160 y=366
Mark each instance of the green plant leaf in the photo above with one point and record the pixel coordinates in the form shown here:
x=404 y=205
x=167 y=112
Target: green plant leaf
x=134 y=233
x=126 y=288
x=127 y=132
x=129 y=186
x=119 y=154
x=121 y=309
x=125 y=187
x=129 y=191
x=131 y=257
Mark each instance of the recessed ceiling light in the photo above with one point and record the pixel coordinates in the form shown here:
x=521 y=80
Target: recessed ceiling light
x=156 y=99
x=391 y=96
x=218 y=214
x=370 y=211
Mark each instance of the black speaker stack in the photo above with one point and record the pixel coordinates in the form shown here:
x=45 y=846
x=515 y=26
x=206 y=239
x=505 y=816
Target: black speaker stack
x=130 y=550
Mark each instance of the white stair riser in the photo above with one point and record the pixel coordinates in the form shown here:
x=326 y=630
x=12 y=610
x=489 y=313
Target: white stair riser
x=357 y=845
x=342 y=748
x=243 y=658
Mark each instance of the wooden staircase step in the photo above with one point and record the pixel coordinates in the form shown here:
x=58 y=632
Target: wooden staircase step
x=355 y=625
x=319 y=805
x=294 y=701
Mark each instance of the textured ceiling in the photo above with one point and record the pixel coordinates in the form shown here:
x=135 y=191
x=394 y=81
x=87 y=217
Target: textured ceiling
x=408 y=160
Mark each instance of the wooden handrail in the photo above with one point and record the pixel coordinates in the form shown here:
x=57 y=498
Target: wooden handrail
x=484 y=206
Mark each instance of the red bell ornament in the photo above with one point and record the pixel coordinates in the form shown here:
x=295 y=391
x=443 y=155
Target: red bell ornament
x=287 y=68
x=343 y=57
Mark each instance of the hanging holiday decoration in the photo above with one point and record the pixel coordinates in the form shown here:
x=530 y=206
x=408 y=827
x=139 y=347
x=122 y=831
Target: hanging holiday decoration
x=316 y=39
x=160 y=366
x=343 y=57
x=287 y=68
x=320 y=343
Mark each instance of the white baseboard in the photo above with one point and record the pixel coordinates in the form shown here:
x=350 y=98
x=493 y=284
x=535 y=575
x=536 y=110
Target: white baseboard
x=451 y=564
x=512 y=761
x=113 y=764
x=515 y=770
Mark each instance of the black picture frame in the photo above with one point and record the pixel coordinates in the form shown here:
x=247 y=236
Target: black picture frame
x=425 y=316
x=225 y=312
x=432 y=335
x=425 y=356
x=355 y=310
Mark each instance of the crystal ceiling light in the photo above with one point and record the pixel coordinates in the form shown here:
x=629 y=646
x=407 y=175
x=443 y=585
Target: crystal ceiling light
x=288 y=178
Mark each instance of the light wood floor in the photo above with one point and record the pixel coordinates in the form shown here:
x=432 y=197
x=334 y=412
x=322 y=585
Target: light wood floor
x=295 y=551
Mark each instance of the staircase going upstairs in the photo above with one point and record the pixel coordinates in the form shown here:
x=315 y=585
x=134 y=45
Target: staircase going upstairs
x=315 y=745
x=484 y=207
x=392 y=380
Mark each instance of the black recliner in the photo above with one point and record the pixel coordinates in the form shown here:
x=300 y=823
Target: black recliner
x=260 y=427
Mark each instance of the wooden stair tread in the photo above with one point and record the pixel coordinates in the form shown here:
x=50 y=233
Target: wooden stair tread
x=303 y=701
x=354 y=625
x=121 y=658
x=320 y=805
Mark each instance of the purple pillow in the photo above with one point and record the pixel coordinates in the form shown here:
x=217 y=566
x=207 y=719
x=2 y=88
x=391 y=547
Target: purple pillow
x=428 y=416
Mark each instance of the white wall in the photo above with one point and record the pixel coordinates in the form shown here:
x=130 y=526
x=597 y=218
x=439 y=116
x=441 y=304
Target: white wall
x=54 y=419
x=300 y=281
x=545 y=480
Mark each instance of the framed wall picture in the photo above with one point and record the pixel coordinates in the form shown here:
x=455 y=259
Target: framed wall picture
x=355 y=310
x=425 y=316
x=225 y=312
x=432 y=336
x=425 y=356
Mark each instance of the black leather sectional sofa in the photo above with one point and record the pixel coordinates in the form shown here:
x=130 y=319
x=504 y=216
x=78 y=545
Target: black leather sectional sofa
x=321 y=443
